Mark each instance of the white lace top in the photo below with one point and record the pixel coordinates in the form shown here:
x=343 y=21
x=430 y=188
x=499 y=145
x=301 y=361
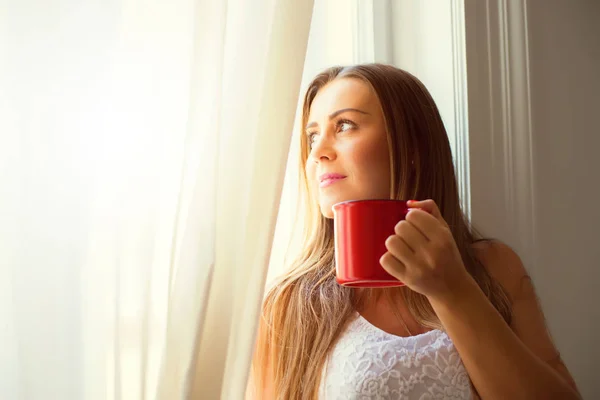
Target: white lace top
x=370 y=364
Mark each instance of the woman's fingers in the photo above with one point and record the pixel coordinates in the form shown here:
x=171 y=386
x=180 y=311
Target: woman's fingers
x=393 y=266
x=400 y=249
x=426 y=223
x=427 y=205
x=411 y=235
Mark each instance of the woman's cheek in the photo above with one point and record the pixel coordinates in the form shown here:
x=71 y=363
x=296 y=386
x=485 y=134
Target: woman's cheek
x=371 y=165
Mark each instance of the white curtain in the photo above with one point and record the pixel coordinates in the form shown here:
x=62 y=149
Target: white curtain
x=341 y=33
x=142 y=153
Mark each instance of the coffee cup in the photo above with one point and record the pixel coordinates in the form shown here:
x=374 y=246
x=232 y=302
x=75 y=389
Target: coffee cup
x=361 y=228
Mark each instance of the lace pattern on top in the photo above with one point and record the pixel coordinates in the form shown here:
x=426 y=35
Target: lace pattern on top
x=370 y=364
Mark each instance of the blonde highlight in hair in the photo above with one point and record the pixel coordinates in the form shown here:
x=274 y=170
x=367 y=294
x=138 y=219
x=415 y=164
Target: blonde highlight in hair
x=306 y=310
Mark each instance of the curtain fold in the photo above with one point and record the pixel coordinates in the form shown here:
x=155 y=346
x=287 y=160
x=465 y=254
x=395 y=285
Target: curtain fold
x=286 y=43
x=142 y=153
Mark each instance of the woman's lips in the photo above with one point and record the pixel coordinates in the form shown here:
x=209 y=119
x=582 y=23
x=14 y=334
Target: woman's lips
x=330 y=179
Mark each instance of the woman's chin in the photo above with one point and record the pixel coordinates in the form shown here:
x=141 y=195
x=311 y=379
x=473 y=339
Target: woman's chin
x=327 y=206
x=327 y=209
x=327 y=212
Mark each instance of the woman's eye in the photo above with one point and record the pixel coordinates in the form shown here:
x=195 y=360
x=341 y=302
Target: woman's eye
x=345 y=125
x=311 y=139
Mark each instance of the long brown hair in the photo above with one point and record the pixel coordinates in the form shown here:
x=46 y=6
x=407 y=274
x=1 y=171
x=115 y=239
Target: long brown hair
x=306 y=310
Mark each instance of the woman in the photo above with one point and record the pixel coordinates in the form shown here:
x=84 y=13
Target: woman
x=466 y=324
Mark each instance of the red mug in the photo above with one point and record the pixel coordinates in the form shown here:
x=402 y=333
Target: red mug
x=361 y=228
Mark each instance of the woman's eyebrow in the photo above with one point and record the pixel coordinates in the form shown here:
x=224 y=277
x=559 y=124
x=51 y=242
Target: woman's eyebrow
x=335 y=114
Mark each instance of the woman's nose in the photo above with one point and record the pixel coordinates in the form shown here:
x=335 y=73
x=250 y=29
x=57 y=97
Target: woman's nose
x=323 y=149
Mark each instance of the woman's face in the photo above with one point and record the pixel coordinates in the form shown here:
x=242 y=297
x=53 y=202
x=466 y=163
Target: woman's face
x=349 y=158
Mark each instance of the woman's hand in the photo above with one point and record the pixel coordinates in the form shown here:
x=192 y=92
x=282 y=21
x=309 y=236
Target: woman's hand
x=423 y=254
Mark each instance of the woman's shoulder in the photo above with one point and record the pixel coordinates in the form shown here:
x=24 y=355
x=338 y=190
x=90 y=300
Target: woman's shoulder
x=502 y=263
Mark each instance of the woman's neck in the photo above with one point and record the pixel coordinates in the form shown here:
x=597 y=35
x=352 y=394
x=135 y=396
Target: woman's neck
x=393 y=317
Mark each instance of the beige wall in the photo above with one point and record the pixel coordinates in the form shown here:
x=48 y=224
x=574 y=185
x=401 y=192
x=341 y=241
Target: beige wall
x=564 y=48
